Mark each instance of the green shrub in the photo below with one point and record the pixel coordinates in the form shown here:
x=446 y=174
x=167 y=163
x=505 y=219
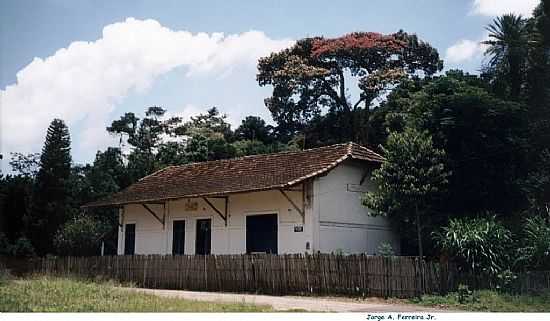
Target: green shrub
x=22 y=247
x=385 y=249
x=465 y=295
x=5 y=246
x=488 y=300
x=79 y=236
x=534 y=251
x=506 y=280
x=480 y=246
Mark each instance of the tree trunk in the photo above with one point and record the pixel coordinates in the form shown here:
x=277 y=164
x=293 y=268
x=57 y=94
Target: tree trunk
x=419 y=234
x=349 y=132
x=366 y=120
x=342 y=90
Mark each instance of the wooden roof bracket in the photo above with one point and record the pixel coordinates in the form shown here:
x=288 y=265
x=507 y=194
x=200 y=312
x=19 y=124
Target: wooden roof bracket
x=301 y=210
x=163 y=220
x=223 y=216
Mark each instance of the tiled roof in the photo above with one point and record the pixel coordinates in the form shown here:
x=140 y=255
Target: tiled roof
x=236 y=175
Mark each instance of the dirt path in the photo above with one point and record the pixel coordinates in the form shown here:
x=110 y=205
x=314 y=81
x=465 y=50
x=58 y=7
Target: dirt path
x=292 y=302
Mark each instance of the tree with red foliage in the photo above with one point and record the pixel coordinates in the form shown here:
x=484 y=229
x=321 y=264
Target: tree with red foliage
x=309 y=79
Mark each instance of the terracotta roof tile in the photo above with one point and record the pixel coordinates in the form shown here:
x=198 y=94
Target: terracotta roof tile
x=243 y=174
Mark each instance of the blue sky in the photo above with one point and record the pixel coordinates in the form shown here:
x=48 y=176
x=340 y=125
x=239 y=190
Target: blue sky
x=88 y=61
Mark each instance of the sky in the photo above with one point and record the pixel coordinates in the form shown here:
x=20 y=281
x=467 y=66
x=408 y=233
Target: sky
x=90 y=61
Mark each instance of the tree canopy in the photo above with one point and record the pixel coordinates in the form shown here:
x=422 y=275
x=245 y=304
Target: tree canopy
x=484 y=137
x=507 y=49
x=311 y=78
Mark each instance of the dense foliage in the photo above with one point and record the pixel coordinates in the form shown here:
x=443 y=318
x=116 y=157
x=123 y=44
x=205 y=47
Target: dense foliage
x=534 y=247
x=484 y=138
x=480 y=245
x=411 y=179
x=81 y=235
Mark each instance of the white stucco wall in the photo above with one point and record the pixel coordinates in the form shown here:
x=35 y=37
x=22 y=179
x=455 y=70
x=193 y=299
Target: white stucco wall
x=151 y=238
x=335 y=219
x=343 y=222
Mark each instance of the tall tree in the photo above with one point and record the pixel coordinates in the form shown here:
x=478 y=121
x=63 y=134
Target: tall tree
x=107 y=175
x=125 y=126
x=507 y=50
x=254 y=128
x=409 y=181
x=314 y=76
x=49 y=209
x=150 y=129
x=144 y=137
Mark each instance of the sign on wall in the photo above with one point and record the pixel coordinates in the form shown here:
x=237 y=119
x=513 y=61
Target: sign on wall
x=191 y=206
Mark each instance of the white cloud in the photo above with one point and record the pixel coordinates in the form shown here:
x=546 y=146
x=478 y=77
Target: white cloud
x=500 y=7
x=84 y=82
x=467 y=49
x=463 y=50
x=185 y=114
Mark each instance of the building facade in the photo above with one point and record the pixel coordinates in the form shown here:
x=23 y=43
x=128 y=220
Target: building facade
x=317 y=208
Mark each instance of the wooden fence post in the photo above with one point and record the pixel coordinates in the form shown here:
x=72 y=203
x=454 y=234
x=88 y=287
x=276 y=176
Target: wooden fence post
x=205 y=274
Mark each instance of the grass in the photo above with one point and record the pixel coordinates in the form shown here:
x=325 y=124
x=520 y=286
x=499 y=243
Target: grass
x=46 y=294
x=489 y=301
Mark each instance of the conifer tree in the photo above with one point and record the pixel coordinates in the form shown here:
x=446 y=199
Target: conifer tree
x=50 y=195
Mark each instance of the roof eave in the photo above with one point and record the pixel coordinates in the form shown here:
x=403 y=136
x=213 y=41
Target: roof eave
x=225 y=193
